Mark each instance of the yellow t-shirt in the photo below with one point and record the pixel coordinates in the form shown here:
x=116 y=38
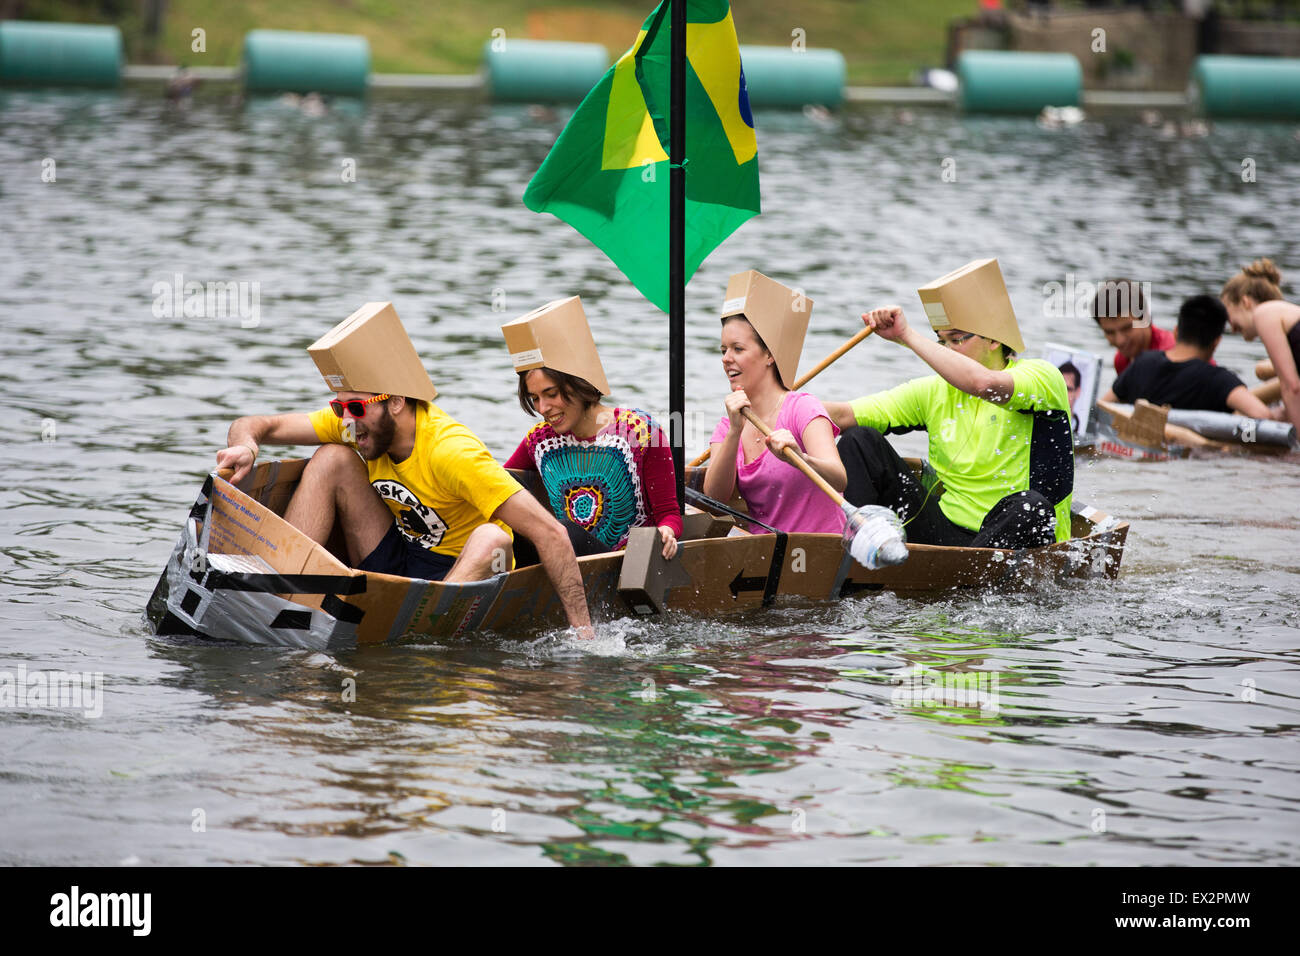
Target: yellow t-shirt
x=448 y=486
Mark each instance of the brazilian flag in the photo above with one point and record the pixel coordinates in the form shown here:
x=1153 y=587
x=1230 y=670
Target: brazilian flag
x=607 y=175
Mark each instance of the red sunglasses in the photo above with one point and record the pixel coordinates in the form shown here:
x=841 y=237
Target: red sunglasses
x=356 y=407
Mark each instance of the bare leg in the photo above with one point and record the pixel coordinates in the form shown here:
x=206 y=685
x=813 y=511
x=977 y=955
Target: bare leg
x=336 y=487
x=487 y=552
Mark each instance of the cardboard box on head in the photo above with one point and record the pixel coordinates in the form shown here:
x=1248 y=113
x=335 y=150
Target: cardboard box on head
x=973 y=299
x=369 y=351
x=556 y=336
x=778 y=314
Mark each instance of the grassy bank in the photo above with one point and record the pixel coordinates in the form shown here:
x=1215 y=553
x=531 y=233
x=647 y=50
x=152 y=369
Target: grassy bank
x=883 y=41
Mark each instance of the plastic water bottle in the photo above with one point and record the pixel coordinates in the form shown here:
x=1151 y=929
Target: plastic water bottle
x=875 y=537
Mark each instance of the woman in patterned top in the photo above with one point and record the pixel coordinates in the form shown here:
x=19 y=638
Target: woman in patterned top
x=605 y=470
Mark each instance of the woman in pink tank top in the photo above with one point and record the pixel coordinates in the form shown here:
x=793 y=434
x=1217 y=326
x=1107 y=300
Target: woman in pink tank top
x=774 y=490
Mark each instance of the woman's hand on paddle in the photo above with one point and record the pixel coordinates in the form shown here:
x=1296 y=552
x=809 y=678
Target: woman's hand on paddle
x=669 y=539
x=887 y=322
x=780 y=440
x=238 y=457
x=735 y=402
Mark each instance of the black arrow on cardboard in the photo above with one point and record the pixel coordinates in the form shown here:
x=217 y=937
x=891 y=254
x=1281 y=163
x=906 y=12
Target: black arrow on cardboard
x=741 y=583
x=853 y=587
x=770 y=583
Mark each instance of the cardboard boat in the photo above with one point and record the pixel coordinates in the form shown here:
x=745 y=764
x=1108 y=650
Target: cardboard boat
x=1150 y=433
x=241 y=573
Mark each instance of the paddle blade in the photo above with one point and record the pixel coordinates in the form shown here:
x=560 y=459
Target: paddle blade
x=874 y=536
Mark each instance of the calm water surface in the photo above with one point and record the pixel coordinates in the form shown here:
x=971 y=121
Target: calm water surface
x=1149 y=721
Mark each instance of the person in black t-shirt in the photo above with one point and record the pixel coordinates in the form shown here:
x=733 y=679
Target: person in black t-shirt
x=1183 y=376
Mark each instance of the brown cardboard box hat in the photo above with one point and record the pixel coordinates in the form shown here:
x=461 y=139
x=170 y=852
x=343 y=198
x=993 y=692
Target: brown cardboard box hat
x=973 y=299
x=778 y=314
x=369 y=351
x=556 y=336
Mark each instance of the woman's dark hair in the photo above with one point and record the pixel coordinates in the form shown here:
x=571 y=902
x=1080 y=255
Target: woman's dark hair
x=571 y=388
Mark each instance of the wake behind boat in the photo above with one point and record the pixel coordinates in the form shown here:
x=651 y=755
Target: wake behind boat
x=240 y=572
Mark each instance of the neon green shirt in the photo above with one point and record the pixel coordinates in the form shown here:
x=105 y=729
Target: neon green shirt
x=984 y=452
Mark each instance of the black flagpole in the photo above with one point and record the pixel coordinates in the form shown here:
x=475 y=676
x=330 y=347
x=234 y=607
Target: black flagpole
x=677 y=251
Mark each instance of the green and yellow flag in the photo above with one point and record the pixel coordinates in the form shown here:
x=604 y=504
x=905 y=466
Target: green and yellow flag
x=607 y=175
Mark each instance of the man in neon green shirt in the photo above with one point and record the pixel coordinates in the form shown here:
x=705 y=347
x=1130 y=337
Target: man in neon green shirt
x=999 y=431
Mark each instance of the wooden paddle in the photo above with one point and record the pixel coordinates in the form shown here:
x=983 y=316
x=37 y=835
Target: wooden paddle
x=882 y=545
x=803 y=380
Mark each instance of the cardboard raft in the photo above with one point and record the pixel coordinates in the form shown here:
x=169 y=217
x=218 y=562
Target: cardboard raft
x=240 y=572
x=1146 y=434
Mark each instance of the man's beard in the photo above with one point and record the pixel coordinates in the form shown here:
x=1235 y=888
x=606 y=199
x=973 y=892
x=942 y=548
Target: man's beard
x=380 y=434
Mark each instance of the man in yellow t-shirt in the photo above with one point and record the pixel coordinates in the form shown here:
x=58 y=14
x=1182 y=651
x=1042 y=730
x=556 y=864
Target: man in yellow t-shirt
x=417 y=494
x=440 y=492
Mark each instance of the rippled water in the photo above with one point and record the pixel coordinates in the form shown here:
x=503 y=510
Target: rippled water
x=1149 y=721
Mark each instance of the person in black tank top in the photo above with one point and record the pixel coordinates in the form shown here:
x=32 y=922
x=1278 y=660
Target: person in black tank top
x=1256 y=309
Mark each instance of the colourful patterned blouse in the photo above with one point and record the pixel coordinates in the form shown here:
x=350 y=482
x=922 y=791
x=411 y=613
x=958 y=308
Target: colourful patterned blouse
x=620 y=479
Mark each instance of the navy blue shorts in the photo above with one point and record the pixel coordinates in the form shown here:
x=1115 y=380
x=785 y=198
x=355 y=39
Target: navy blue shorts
x=396 y=554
